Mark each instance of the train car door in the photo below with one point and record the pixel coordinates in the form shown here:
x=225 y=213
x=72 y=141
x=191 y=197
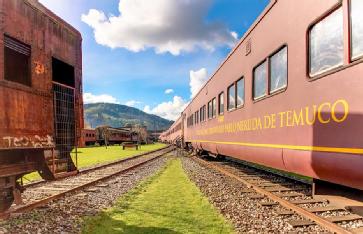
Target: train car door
x=64 y=115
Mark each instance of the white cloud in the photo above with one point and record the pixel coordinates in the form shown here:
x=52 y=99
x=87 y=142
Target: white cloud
x=166 y=26
x=169 y=91
x=168 y=110
x=132 y=103
x=197 y=80
x=103 y=98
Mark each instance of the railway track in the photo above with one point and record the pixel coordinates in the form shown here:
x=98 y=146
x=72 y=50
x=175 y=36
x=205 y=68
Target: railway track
x=41 y=193
x=291 y=197
x=90 y=169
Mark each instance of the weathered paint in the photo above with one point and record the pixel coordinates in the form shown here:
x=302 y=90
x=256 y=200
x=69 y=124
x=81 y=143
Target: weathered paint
x=27 y=112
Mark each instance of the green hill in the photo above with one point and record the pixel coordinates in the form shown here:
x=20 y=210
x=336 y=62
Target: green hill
x=119 y=115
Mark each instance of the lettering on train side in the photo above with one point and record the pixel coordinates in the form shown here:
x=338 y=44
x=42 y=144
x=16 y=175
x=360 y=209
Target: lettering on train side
x=28 y=142
x=324 y=113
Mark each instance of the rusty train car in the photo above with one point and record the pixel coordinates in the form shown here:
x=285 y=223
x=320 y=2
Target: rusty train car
x=41 y=103
x=289 y=95
x=110 y=136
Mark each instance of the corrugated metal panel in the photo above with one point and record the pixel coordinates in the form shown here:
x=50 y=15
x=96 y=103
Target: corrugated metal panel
x=17 y=46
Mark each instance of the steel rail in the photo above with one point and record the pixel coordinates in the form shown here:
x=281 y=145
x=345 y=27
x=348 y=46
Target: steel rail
x=90 y=169
x=33 y=205
x=298 y=210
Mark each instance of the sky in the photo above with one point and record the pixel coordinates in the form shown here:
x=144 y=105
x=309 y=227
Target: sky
x=154 y=55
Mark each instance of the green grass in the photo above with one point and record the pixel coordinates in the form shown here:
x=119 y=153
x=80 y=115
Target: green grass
x=167 y=203
x=92 y=156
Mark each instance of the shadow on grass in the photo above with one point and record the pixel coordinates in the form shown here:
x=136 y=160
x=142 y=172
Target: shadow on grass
x=106 y=224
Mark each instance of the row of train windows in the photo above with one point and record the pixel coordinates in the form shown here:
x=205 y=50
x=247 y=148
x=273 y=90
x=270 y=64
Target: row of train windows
x=177 y=128
x=236 y=91
x=326 y=39
x=326 y=52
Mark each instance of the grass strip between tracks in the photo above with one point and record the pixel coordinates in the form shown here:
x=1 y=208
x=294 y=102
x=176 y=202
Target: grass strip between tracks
x=92 y=156
x=166 y=203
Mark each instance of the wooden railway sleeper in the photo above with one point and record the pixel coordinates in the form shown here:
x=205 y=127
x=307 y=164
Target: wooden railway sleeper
x=329 y=225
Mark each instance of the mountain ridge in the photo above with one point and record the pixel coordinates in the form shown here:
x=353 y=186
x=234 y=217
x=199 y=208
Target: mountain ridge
x=117 y=115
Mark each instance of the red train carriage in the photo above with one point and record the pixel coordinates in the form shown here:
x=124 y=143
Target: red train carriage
x=88 y=137
x=175 y=133
x=41 y=105
x=289 y=95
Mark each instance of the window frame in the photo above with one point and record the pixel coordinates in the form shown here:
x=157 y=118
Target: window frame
x=333 y=68
x=214 y=108
x=255 y=99
x=348 y=62
x=228 y=97
x=282 y=89
x=236 y=93
x=350 y=19
x=29 y=58
x=197 y=117
x=201 y=115
x=221 y=112
x=271 y=94
x=209 y=109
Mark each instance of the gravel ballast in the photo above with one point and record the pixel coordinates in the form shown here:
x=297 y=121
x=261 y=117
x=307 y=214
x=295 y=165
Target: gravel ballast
x=245 y=213
x=65 y=215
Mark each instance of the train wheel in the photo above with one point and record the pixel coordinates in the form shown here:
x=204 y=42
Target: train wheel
x=6 y=199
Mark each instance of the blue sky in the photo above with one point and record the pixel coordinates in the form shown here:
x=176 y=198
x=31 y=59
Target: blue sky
x=153 y=54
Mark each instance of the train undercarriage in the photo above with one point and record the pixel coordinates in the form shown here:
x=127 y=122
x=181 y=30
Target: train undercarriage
x=50 y=156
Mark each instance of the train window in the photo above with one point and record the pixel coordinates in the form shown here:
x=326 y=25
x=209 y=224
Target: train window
x=240 y=96
x=231 y=92
x=326 y=43
x=356 y=10
x=196 y=117
x=278 y=70
x=204 y=112
x=210 y=110
x=221 y=103
x=17 y=61
x=201 y=114
x=259 y=81
x=214 y=108
x=63 y=73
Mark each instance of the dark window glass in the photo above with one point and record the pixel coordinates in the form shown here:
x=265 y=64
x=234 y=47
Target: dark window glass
x=357 y=28
x=259 y=81
x=201 y=114
x=210 y=110
x=221 y=104
x=17 y=61
x=327 y=43
x=240 y=92
x=231 y=97
x=63 y=73
x=204 y=113
x=278 y=70
x=214 y=108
